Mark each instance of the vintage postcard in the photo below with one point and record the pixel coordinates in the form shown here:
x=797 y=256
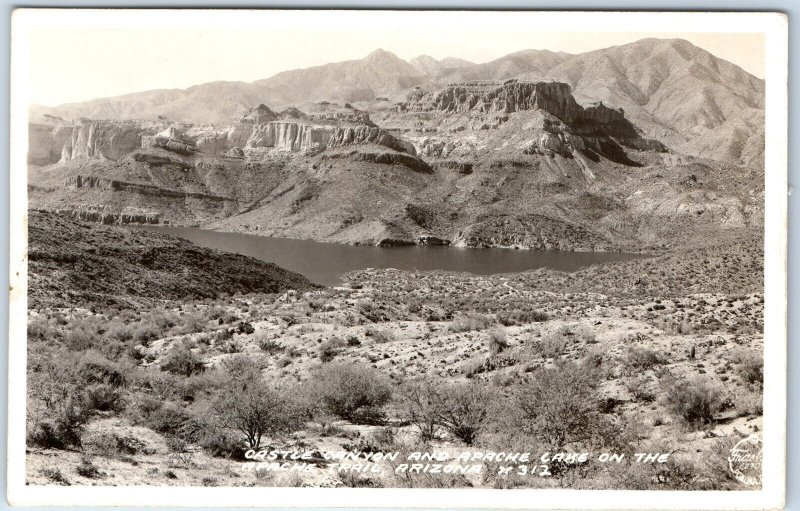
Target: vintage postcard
x=408 y=259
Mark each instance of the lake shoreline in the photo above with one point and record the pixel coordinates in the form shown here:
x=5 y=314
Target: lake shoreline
x=327 y=263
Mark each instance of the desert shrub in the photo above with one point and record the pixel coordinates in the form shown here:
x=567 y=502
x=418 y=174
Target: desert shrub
x=230 y=347
x=469 y=322
x=355 y=392
x=118 y=331
x=58 y=405
x=694 y=400
x=330 y=348
x=63 y=425
x=355 y=480
x=192 y=322
x=88 y=470
x=111 y=443
x=421 y=403
x=521 y=317
x=642 y=359
x=84 y=333
x=223 y=444
x=459 y=408
x=168 y=418
x=93 y=367
x=557 y=406
x=465 y=410
x=248 y=405
x=638 y=389
x=181 y=360
x=551 y=346
x=270 y=346
x=751 y=367
x=380 y=336
x=55 y=475
x=146 y=332
x=102 y=397
x=497 y=340
x=245 y=327
x=749 y=403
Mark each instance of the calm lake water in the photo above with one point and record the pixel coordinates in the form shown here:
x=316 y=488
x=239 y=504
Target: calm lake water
x=325 y=263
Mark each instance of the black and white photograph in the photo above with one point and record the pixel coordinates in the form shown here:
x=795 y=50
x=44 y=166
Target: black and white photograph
x=398 y=250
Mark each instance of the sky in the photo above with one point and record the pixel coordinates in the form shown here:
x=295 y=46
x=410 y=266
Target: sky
x=76 y=59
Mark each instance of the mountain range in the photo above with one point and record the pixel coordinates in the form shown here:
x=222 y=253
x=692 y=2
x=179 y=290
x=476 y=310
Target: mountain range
x=671 y=90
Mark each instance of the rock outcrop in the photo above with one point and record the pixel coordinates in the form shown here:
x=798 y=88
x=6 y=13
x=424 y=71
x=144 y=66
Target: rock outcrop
x=407 y=160
x=46 y=142
x=298 y=136
x=115 y=185
x=102 y=139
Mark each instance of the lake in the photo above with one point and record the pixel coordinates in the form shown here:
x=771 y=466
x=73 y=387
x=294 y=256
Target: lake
x=325 y=263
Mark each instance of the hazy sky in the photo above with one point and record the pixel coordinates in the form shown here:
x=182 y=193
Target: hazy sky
x=86 y=62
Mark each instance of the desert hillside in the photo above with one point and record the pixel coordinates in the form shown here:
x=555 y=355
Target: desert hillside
x=654 y=80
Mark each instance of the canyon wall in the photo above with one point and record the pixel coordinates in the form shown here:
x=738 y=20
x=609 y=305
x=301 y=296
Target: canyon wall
x=297 y=136
x=97 y=139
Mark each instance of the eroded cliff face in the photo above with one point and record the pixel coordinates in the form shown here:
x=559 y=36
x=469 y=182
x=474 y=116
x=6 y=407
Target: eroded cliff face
x=565 y=127
x=46 y=141
x=297 y=136
x=98 y=139
x=291 y=130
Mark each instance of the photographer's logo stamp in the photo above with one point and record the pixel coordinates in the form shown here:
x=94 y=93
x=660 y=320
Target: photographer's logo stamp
x=745 y=460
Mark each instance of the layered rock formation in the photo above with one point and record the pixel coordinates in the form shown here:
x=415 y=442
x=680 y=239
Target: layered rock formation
x=568 y=127
x=102 y=216
x=97 y=139
x=102 y=183
x=297 y=136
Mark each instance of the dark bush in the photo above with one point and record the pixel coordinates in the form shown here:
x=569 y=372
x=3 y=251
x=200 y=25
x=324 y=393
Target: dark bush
x=181 y=360
x=695 y=400
x=354 y=392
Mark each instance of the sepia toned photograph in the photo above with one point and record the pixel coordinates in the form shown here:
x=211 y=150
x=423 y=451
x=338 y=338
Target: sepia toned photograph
x=398 y=250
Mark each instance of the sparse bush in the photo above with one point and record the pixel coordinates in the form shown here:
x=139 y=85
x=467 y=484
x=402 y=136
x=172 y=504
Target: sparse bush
x=270 y=346
x=557 y=406
x=695 y=400
x=354 y=392
x=103 y=397
x=497 y=341
x=521 y=317
x=354 y=480
x=380 y=336
x=88 y=470
x=552 y=346
x=330 y=348
x=245 y=327
x=751 y=367
x=465 y=410
x=749 y=403
x=637 y=387
x=469 y=322
x=181 y=360
x=459 y=408
x=55 y=475
x=642 y=359
x=422 y=405
x=248 y=405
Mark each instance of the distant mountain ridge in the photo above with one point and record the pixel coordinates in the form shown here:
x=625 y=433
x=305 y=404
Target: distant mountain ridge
x=671 y=89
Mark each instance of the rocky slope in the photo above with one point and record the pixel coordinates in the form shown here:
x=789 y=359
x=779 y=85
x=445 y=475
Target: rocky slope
x=513 y=163
x=672 y=90
x=79 y=264
x=677 y=93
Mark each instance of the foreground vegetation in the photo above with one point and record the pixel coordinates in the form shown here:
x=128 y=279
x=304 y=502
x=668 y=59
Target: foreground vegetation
x=392 y=361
